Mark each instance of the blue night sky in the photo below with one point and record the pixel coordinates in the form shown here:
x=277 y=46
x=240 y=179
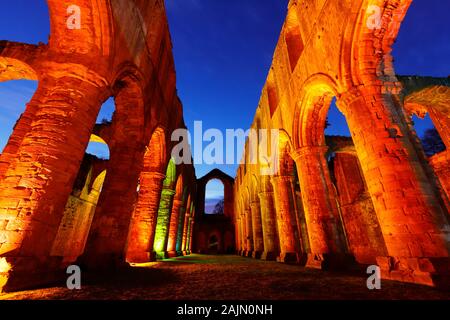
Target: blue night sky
x=223 y=50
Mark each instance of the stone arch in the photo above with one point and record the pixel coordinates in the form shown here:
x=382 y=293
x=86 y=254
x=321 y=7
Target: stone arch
x=223 y=223
x=311 y=111
x=362 y=44
x=228 y=184
x=15 y=69
x=156 y=153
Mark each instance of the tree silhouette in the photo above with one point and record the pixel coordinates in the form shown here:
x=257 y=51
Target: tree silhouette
x=432 y=142
x=218 y=209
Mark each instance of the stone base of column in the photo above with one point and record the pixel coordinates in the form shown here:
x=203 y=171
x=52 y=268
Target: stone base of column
x=172 y=254
x=179 y=253
x=249 y=254
x=269 y=256
x=335 y=261
x=433 y=272
x=162 y=255
x=186 y=252
x=142 y=257
x=20 y=273
x=256 y=254
x=288 y=257
x=242 y=253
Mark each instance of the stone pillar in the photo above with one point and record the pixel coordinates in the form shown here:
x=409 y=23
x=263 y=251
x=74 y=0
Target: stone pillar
x=258 y=242
x=319 y=203
x=106 y=247
x=269 y=227
x=249 y=232
x=173 y=228
x=411 y=217
x=185 y=232
x=190 y=234
x=143 y=223
x=239 y=234
x=283 y=187
x=244 y=234
x=39 y=178
x=183 y=213
x=163 y=221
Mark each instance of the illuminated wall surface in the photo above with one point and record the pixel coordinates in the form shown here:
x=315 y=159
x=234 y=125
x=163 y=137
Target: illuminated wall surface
x=379 y=196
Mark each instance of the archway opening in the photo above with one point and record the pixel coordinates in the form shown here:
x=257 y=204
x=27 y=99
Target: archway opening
x=81 y=205
x=14 y=96
x=429 y=136
x=214 y=197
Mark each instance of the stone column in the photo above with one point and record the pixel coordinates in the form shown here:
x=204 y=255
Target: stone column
x=40 y=175
x=190 y=235
x=163 y=221
x=410 y=215
x=244 y=234
x=286 y=219
x=183 y=213
x=106 y=247
x=249 y=232
x=319 y=204
x=258 y=242
x=269 y=227
x=143 y=223
x=185 y=232
x=173 y=229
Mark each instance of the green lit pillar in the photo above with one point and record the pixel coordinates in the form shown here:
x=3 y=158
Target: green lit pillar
x=181 y=224
x=164 y=211
x=162 y=224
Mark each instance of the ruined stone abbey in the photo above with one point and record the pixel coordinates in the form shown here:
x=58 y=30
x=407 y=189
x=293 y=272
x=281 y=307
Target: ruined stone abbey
x=334 y=203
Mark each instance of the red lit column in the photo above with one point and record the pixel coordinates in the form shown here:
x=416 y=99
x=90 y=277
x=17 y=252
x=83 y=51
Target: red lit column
x=249 y=232
x=190 y=234
x=143 y=223
x=269 y=227
x=39 y=178
x=319 y=203
x=285 y=213
x=185 y=232
x=173 y=228
x=258 y=242
x=410 y=215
